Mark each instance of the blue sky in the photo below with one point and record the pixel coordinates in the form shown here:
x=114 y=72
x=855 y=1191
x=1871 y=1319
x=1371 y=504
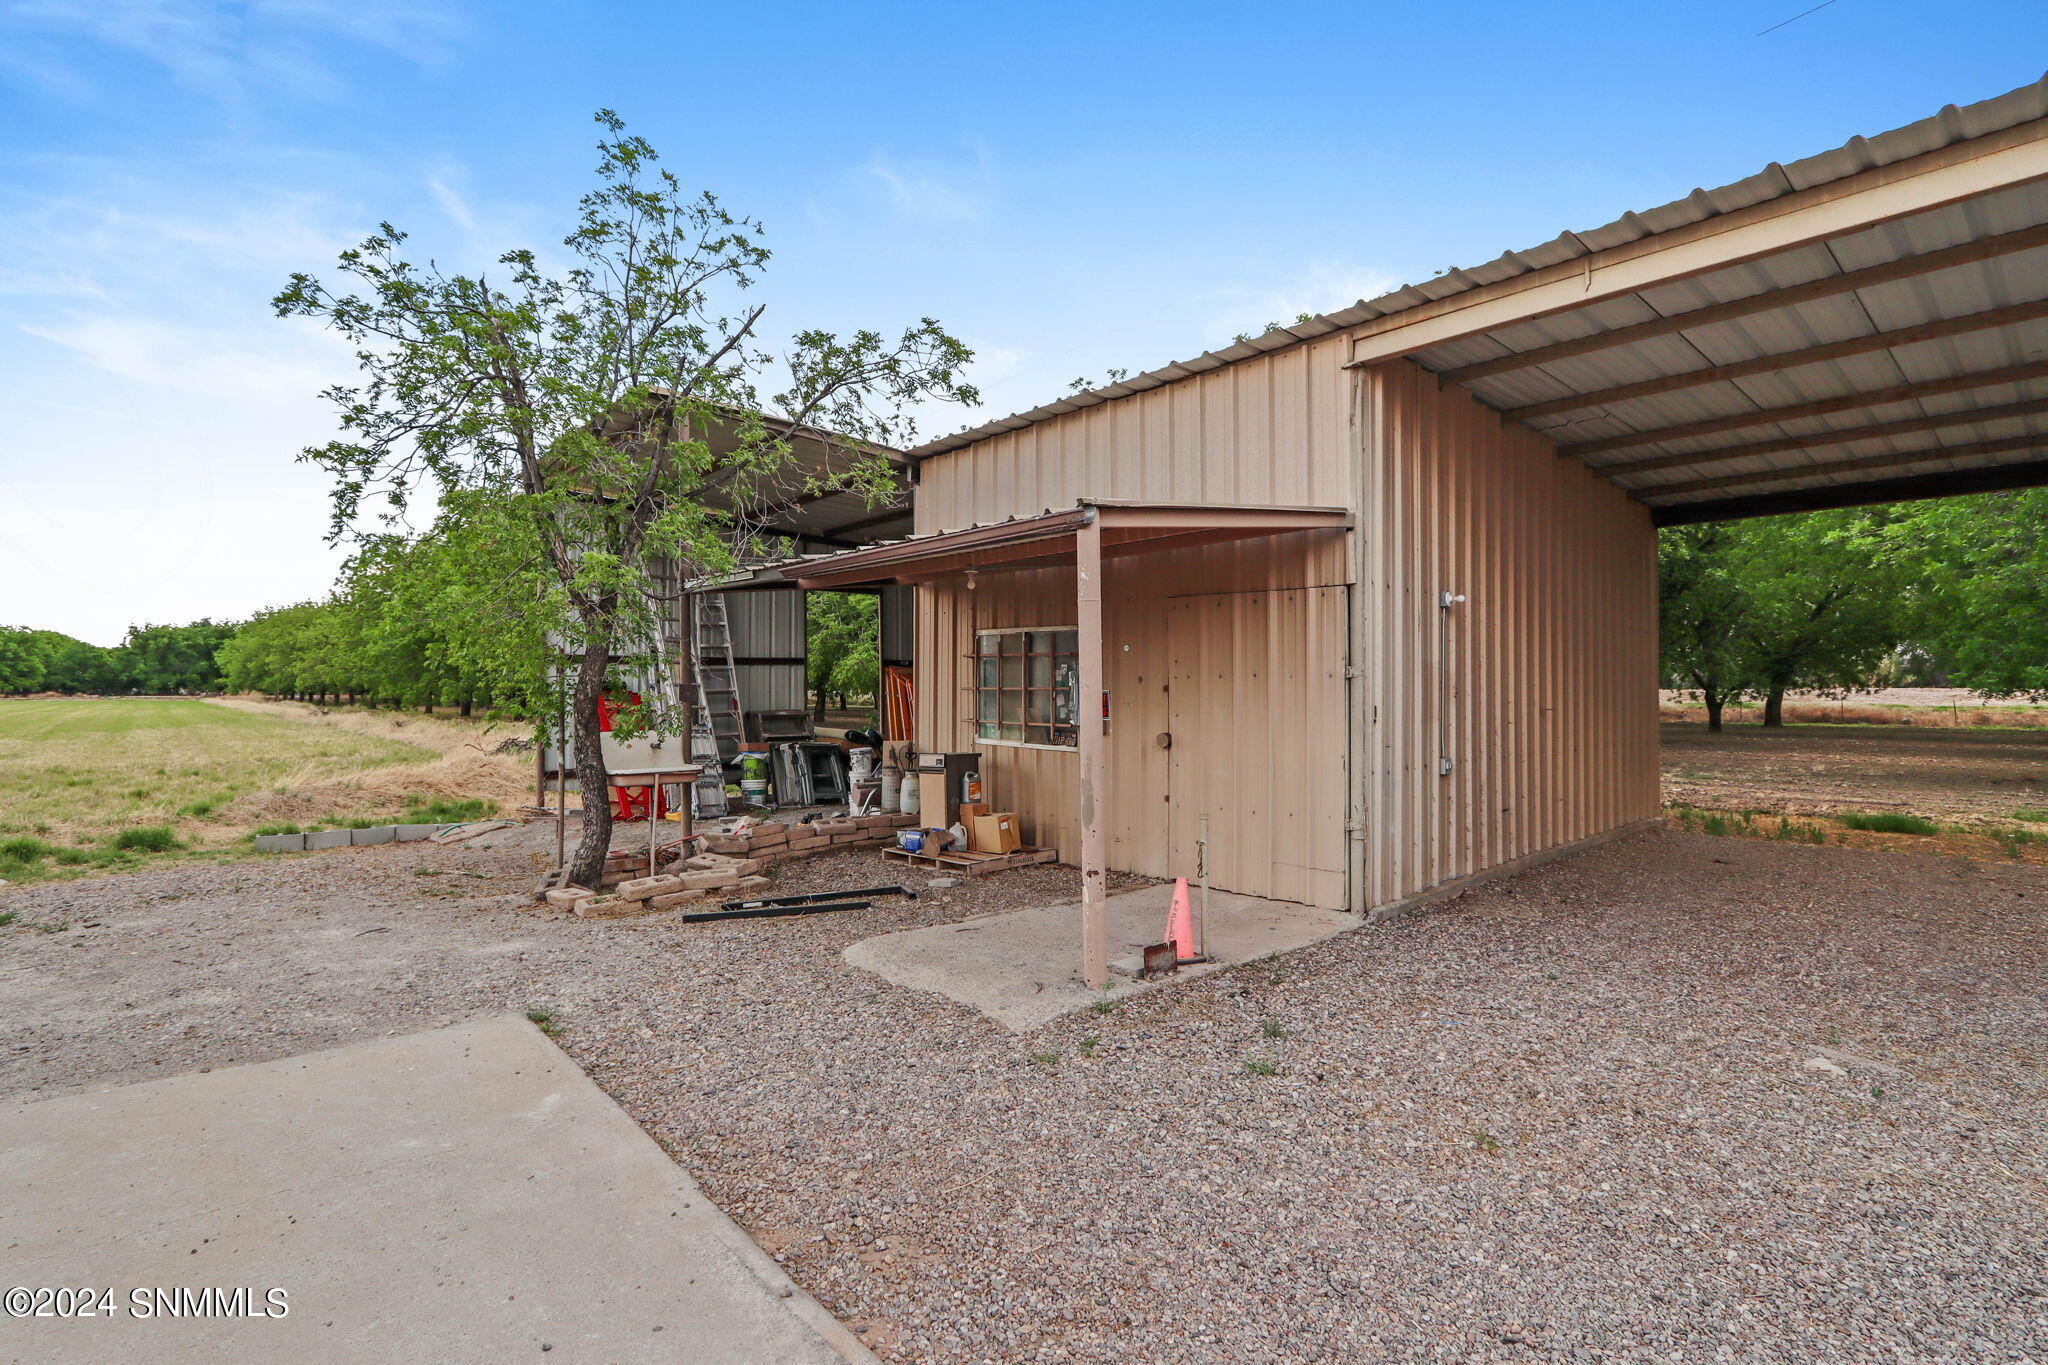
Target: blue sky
x=1068 y=188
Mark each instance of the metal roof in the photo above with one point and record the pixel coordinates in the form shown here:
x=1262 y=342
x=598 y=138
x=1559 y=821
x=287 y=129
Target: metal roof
x=1888 y=354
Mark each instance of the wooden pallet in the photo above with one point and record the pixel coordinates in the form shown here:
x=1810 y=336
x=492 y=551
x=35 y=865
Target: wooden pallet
x=972 y=864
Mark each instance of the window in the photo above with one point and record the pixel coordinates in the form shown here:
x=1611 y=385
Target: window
x=1026 y=686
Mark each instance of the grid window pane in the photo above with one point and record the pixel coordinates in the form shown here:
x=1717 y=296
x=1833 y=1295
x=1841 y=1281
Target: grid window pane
x=1026 y=686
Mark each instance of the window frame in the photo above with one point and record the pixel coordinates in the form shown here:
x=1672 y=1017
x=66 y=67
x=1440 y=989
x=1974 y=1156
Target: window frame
x=1025 y=689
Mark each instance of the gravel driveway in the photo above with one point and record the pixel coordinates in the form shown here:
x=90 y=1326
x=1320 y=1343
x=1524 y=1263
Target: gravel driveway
x=1677 y=1098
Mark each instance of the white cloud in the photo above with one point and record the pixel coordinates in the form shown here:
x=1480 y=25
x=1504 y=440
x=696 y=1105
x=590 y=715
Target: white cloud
x=452 y=204
x=221 y=48
x=933 y=192
x=1323 y=286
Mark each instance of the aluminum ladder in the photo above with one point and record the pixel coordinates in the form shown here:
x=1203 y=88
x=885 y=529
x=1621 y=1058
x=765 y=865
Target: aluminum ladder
x=715 y=728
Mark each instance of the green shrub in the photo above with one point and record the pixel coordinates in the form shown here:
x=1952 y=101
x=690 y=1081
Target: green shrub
x=444 y=810
x=2039 y=817
x=25 y=849
x=1890 y=822
x=147 y=839
x=275 y=829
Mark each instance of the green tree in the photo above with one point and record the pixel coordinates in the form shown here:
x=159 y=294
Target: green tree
x=1703 y=602
x=166 y=659
x=844 y=646
x=21 y=660
x=1830 y=597
x=1983 y=569
x=577 y=403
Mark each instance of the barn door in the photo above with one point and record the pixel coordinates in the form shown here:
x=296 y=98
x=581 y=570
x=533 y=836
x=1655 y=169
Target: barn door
x=1259 y=740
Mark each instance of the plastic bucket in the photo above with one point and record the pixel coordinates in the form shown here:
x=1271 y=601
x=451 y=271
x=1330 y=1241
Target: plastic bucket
x=754 y=791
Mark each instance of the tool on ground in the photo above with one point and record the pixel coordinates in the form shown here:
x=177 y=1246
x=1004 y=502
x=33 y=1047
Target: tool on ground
x=815 y=897
x=766 y=911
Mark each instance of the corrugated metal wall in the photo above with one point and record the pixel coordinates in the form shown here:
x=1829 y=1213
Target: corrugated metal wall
x=1544 y=691
x=899 y=625
x=1237 y=652
x=1266 y=432
x=769 y=623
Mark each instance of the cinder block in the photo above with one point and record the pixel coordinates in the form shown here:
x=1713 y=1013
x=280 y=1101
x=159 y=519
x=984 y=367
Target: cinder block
x=837 y=825
x=804 y=845
x=876 y=822
x=330 y=838
x=692 y=881
x=280 y=843
x=407 y=833
x=766 y=836
x=566 y=897
x=675 y=900
x=640 y=888
x=598 y=907
x=728 y=843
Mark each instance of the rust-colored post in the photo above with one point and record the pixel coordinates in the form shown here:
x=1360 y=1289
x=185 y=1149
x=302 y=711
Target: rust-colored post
x=1089 y=733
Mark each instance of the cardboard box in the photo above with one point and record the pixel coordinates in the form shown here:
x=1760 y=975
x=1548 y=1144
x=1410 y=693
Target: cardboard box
x=994 y=833
x=969 y=810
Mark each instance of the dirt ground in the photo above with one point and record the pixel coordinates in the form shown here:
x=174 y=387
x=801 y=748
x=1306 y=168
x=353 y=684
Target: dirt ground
x=1966 y=775
x=1677 y=1098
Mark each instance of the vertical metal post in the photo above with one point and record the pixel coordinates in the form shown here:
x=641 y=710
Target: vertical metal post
x=561 y=781
x=1088 y=642
x=1202 y=914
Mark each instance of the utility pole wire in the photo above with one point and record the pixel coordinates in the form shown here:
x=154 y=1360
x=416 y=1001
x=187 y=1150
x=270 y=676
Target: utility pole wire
x=1801 y=15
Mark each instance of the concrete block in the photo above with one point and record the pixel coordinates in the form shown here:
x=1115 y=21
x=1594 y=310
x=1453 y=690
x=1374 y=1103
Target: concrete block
x=609 y=907
x=676 y=900
x=877 y=822
x=767 y=836
x=640 y=888
x=566 y=897
x=407 y=833
x=728 y=843
x=803 y=845
x=376 y=834
x=836 y=825
x=692 y=881
x=330 y=838
x=280 y=843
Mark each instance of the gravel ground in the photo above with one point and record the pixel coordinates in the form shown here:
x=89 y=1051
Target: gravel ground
x=1676 y=1098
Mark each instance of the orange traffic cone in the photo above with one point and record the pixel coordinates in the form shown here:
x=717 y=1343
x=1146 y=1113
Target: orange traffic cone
x=1180 y=923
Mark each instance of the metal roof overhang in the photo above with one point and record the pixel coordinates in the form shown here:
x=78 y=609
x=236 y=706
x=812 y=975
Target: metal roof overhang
x=1880 y=336
x=1863 y=325
x=1048 y=539
x=800 y=499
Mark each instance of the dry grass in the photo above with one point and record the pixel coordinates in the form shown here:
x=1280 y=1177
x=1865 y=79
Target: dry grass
x=465 y=760
x=1885 y=831
x=77 y=775
x=1871 y=713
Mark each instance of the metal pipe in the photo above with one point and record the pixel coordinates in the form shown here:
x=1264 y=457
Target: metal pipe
x=1090 y=739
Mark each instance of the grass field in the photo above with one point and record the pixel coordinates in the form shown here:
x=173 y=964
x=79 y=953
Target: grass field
x=90 y=783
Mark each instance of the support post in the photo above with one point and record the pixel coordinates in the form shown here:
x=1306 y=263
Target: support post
x=1092 y=741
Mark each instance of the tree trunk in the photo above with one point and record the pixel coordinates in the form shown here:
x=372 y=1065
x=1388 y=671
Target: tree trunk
x=818 y=707
x=1774 y=705
x=586 y=864
x=466 y=707
x=1715 y=702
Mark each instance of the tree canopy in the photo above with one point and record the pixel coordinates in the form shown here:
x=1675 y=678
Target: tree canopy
x=572 y=410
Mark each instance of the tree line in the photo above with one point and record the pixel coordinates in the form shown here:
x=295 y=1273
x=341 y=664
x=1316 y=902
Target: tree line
x=152 y=660
x=1951 y=592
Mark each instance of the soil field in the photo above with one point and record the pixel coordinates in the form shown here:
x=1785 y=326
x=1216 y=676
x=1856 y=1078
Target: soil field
x=1969 y=776
x=1674 y=1099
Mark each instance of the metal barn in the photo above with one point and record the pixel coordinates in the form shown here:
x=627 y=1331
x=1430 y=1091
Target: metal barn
x=1376 y=594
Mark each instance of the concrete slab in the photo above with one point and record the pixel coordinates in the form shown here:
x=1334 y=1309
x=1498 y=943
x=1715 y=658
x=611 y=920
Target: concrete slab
x=464 y=1194
x=1022 y=968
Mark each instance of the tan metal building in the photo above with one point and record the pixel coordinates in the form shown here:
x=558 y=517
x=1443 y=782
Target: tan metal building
x=1376 y=594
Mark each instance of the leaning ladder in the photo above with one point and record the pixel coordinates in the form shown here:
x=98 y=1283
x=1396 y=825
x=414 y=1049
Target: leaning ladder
x=715 y=729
